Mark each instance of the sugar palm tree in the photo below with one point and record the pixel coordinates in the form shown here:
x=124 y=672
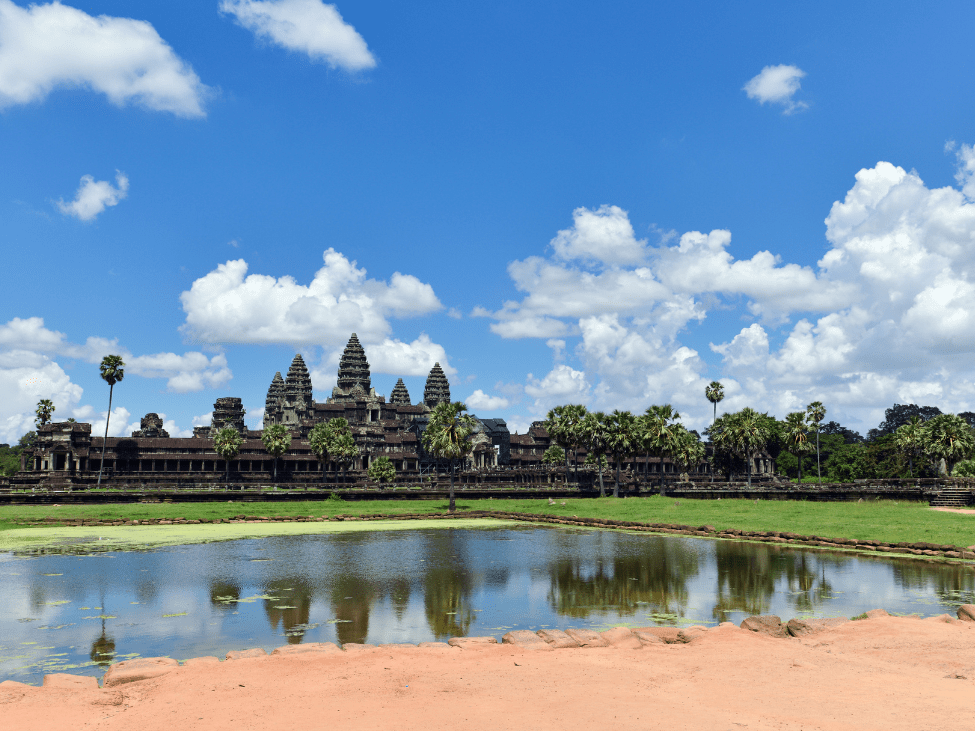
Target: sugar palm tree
x=594 y=433
x=621 y=440
x=659 y=434
x=44 y=411
x=714 y=392
x=319 y=439
x=815 y=413
x=948 y=437
x=562 y=423
x=909 y=438
x=448 y=436
x=745 y=433
x=112 y=370
x=688 y=450
x=277 y=441
x=226 y=443
x=344 y=451
x=794 y=431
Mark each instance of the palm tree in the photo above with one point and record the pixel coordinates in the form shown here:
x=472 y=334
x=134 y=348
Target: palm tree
x=448 y=436
x=816 y=412
x=660 y=434
x=226 y=443
x=745 y=433
x=594 y=433
x=562 y=423
x=44 y=412
x=794 y=432
x=715 y=394
x=112 y=371
x=277 y=441
x=688 y=450
x=948 y=437
x=344 y=451
x=319 y=439
x=909 y=438
x=621 y=440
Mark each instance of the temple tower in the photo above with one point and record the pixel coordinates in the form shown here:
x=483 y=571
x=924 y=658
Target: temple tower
x=354 y=382
x=275 y=397
x=297 y=402
x=437 y=389
x=227 y=412
x=400 y=395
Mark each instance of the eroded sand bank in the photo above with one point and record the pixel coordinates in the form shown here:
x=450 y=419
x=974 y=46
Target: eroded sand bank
x=887 y=673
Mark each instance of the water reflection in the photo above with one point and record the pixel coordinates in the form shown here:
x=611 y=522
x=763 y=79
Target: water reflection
x=413 y=586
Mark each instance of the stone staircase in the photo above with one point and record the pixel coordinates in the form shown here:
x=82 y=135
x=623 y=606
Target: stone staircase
x=952 y=497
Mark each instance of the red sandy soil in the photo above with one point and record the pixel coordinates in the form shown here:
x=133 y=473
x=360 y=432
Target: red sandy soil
x=886 y=674
x=963 y=511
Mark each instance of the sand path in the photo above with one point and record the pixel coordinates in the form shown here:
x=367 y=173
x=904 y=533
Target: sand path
x=886 y=674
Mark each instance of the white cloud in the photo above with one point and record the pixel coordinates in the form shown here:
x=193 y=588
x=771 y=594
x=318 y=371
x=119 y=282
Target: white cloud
x=184 y=373
x=93 y=197
x=777 y=85
x=229 y=306
x=25 y=378
x=480 y=400
x=562 y=385
x=398 y=358
x=44 y=47
x=306 y=26
x=122 y=424
x=604 y=235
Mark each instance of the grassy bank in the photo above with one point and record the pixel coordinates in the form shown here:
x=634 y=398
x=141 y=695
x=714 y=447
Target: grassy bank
x=887 y=521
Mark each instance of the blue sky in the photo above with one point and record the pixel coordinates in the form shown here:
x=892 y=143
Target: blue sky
x=611 y=204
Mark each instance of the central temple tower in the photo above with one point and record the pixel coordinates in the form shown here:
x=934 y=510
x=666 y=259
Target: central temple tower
x=354 y=381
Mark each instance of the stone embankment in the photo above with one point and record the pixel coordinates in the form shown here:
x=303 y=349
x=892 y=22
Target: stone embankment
x=923 y=549
x=547 y=640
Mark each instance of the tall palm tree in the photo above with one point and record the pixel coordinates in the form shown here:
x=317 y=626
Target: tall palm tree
x=277 y=441
x=594 y=432
x=794 y=432
x=909 y=438
x=816 y=412
x=948 y=437
x=621 y=440
x=319 y=439
x=714 y=392
x=660 y=434
x=745 y=433
x=112 y=370
x=688 y=449
x=226 y=443
x=44 y=412
x=448 y=436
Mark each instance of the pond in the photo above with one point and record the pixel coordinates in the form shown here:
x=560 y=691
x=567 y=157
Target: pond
x=78 y=612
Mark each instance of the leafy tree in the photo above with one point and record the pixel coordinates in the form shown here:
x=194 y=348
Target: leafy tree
x=969 y=417
x=319 y=439
x=9 y=460
x=44 y=412
x=112 y=371
x=621 y=440
x=909 y=438
x=277 y=441
x=849 y=436
x=899 y=414
x=227 y=443
x=382 y=470
x=448 y=436
x=594 y=432
x=554 y=455
x=794 y=430
x=28 y=441
x=815 y=413
x=950 y=438
x=965 y=468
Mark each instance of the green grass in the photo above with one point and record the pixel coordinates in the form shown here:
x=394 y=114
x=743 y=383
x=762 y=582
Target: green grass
x=888 y=521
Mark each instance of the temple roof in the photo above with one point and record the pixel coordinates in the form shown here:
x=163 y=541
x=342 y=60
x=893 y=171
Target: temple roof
x=298 y=380
x=437 y=389
x=400 y=395
x=354 y=368
x=275 y=392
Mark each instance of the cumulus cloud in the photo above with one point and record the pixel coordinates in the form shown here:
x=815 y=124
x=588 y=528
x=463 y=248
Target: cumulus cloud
x=305 y=26
x=229 y=306
x=484 y=402
x=93 y=197
x=777 y=85
x=886 y=315
x=184 y=373
x=25 y=378
x=44 y=47
x=603 y=235
x=399 y=358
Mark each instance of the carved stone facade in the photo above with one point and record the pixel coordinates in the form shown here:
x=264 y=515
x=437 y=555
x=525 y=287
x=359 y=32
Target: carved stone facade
x=227 y=412
x=437 y=389
x=400 y=396
x=152 y=427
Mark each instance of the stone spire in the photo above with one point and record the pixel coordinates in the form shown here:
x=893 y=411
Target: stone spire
x=297 y=392
x=437 y=389
x=400 y=395
x=354 y=368
x=275 y=395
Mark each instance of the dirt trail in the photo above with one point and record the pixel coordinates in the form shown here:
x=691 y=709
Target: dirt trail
x=885 y=674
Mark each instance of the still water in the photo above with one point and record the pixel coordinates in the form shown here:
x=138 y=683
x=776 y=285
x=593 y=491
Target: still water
x=78 y=613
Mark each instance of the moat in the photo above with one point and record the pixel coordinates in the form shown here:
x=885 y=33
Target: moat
x=77 y=612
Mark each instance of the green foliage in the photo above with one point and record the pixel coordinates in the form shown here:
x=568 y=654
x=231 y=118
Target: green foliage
x=227 y=443
x=554 y=455
x=44 y=412
x=714 y=392
x=745 y=434
x=965 y=468
x=562 y=424
x=448 y=433
x=948 y=437
x=112 y=369
x=591 y=459
x=9 y=460
x=276 y=439
x=382 y=470
x=688 y=450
